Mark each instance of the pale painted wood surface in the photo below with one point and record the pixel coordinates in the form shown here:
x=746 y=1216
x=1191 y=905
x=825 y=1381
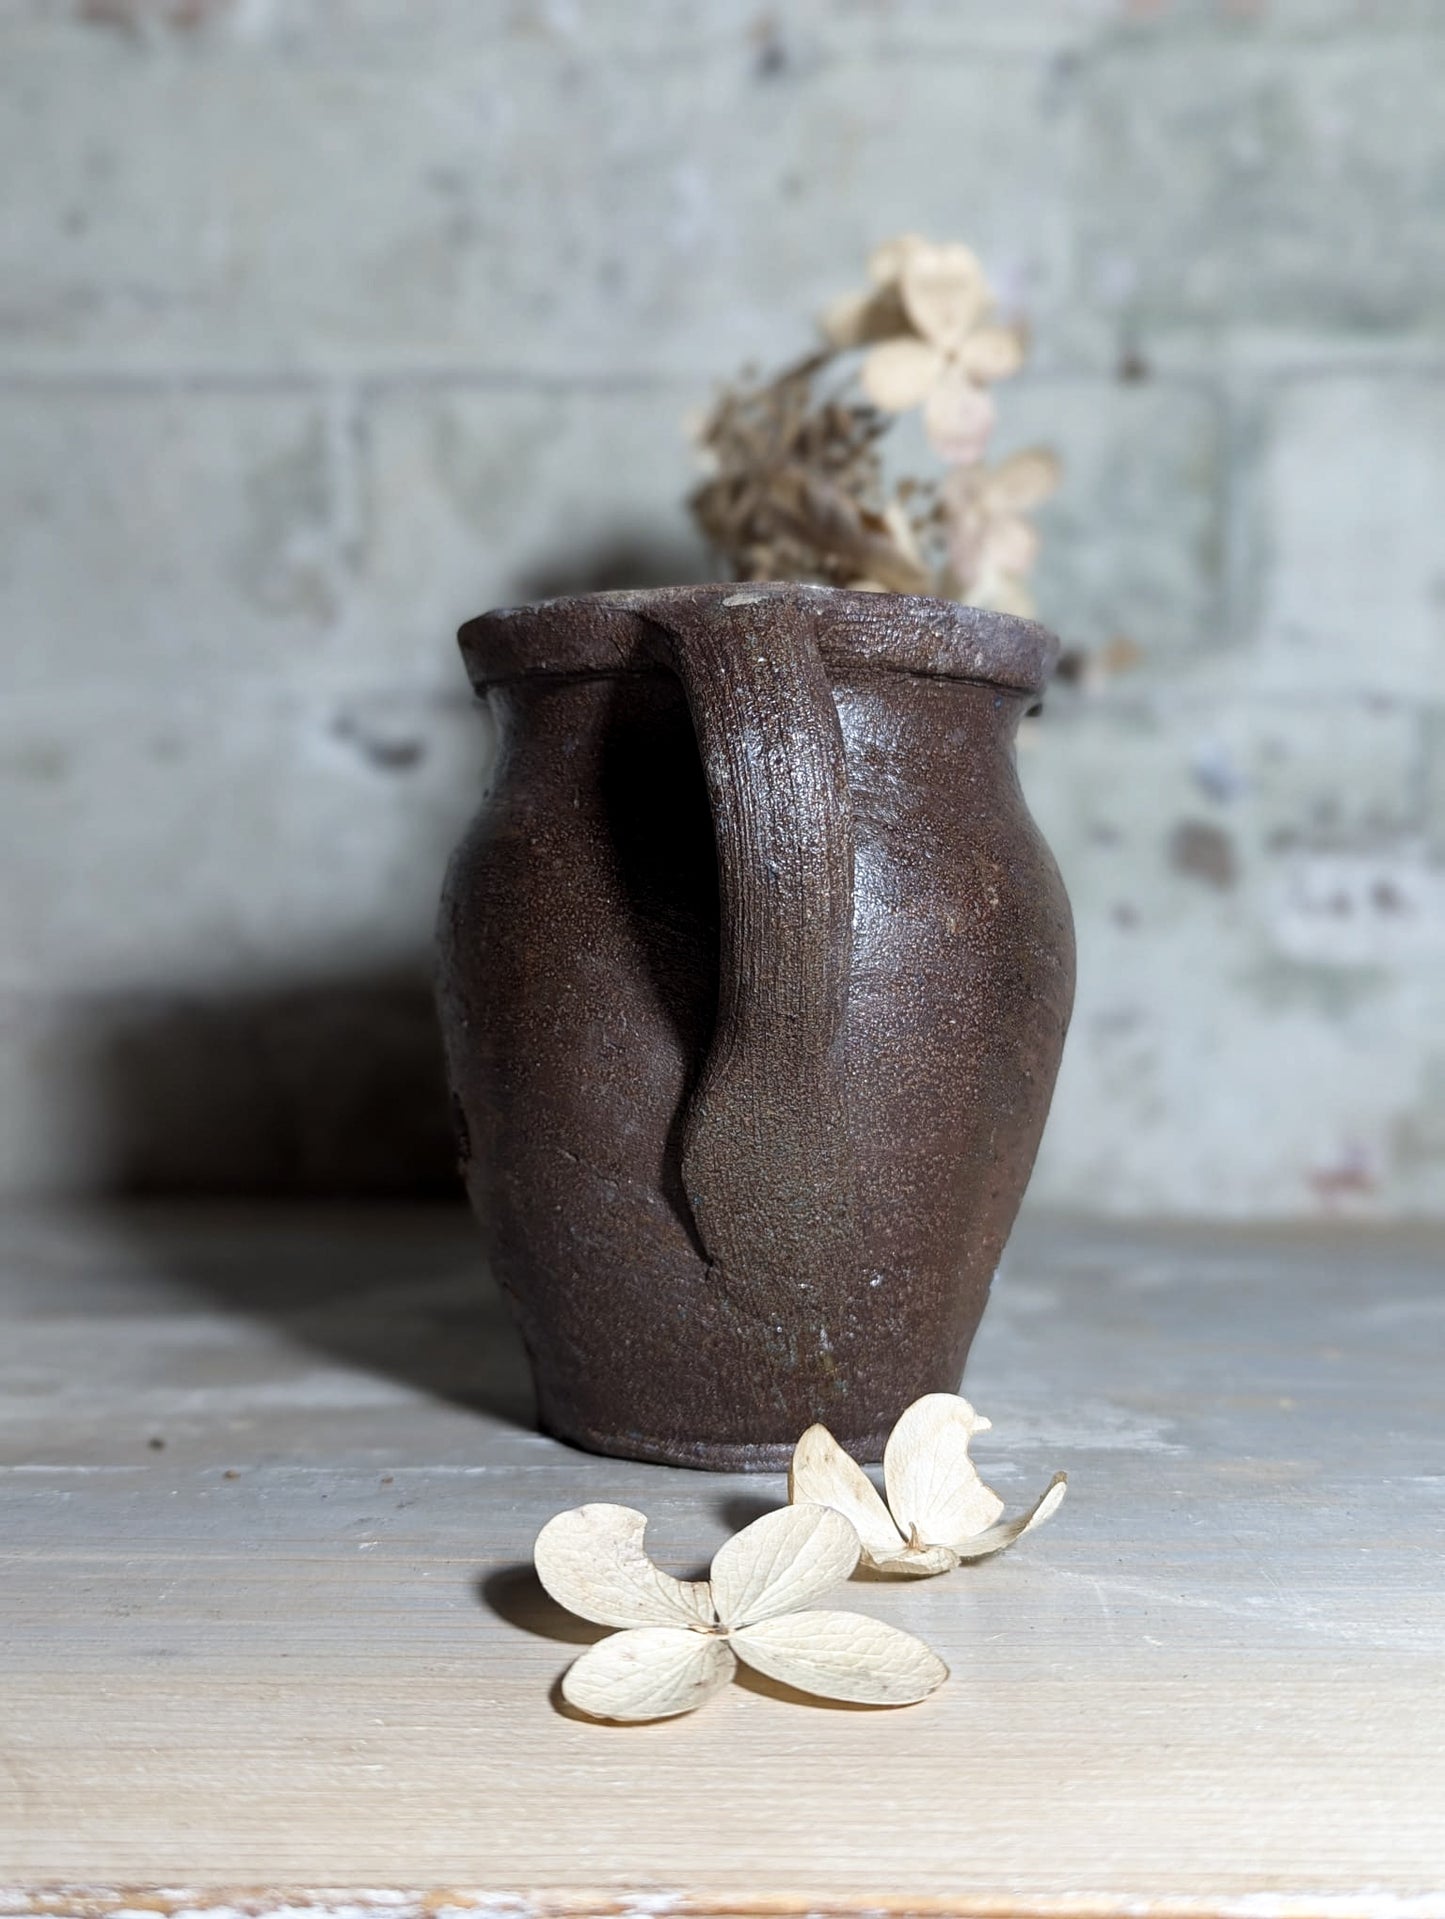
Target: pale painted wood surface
x=296 y=1645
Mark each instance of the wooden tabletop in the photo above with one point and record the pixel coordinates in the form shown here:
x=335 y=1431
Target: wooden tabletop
x=267 y=1495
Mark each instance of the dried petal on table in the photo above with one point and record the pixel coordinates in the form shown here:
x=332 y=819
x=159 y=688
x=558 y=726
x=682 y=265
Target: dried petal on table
x=783 y=1561
x=938 y=1511
x=591 y=1560
x=934 y=1489
x=842 y=1655
x=650 y=1672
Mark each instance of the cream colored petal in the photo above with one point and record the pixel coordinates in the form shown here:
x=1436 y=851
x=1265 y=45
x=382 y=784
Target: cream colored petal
x=900 y=374
x=842 y=1655
x=822 y=1474
x=997 y=1537
x=1023 y=480
x=990 y=353
x=919 y=1562
x=1001 y=593
x=653 y=1672
x=592 y=1562
x=944 y=292
x=958 y=418
x=965 y=543
x=782 y=1561
x=965 y=519
x=901 y=531
x=858 y=319
x=1010 y=545
x=886 y=262
x=934 y=1490
x=845 y=320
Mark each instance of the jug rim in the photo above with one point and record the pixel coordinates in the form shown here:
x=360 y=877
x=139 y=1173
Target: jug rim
x=592 y=635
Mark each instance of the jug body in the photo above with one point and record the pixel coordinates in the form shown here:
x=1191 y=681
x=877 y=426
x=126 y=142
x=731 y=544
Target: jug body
x=746 y=1137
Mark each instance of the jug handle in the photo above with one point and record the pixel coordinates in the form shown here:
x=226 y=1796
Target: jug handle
x=767 y=1158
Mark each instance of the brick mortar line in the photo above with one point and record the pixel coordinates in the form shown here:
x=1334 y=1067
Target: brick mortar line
x=160 y=49
x=1209 y=377
x=157 y=53
x=119 y=380
x=24 y=705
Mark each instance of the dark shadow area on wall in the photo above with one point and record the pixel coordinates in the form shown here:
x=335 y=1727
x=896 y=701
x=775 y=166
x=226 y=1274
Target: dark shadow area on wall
x=328 y=1088
x=614 y=565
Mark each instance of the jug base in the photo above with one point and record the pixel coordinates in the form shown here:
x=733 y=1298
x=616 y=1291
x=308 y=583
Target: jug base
x=704 y=1455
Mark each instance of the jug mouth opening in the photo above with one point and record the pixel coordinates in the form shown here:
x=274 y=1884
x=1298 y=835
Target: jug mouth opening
x=591 y=635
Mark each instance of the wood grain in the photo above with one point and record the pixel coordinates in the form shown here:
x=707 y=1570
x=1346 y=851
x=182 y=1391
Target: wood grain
x=267 y=1496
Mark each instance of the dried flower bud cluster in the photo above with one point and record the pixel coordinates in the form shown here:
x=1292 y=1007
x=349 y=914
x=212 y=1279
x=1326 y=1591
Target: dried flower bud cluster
x=797 y=488
x=681 y=1640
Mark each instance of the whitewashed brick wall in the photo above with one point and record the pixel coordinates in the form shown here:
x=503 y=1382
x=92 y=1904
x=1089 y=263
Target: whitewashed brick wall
x=324 y=324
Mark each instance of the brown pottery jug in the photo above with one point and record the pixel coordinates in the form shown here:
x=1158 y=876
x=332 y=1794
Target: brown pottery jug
x=755 y=974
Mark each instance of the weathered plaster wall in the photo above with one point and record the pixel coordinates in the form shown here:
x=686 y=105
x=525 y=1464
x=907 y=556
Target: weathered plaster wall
x=325 y=324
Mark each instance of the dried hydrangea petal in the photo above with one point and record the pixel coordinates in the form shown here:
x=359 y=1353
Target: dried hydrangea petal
x=902 y=532
x=886 y=262
x=653 y=1672
x=1009 y=545
x=995 y=1538
x=957 y=417
x=919 y=1562
x=1002 y=593
x=991 y=353
x=782 y=1561
x=900 y=374
x=944 y=292
x=844 y=321
x=934 y=1491
x=822 y=1474
x=1022 y=481
x=591 y=1560
x=842 y=1655
x=858 y=319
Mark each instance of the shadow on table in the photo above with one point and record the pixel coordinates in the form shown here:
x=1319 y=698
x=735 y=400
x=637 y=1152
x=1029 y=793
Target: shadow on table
x=286 y=1154
x=515 y=1595
x=400 y=1292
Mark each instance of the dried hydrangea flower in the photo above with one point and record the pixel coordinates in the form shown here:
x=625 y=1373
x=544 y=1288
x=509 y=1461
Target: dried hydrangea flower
x=991 y=546
x=682 y=1639
x=950 y=352
x=797 y=487
x=939 y=1511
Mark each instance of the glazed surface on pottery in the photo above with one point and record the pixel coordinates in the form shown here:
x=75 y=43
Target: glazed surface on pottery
x=754 y=979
